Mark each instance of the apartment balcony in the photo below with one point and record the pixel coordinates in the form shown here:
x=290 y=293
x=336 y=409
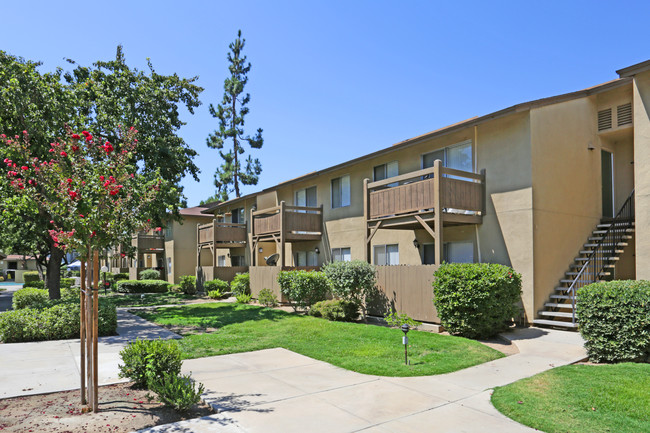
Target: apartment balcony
x=288 y=223
x=221 y=235
x=149 y=242
x=426 y=199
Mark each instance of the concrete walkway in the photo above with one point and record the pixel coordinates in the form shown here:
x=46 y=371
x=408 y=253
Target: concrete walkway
x=50 y=366
x=276 y=390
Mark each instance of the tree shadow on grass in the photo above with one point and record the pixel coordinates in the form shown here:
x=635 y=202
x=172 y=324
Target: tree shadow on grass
x=214 y=315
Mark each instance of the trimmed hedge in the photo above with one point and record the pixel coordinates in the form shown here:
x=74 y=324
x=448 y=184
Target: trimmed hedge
x=142 y=286
x=120 y=276
x=615 y=320
x=336 y=309
x=241 y=284
x=57 y=322
x=67 y=283
x=38 y=284
x=29 y=298
x=303 y=288
x=31 y=276
x=476 y=300
x=220 y=285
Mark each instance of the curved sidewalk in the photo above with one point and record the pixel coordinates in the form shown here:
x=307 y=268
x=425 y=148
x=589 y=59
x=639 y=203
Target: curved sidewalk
x=277 y=390
x=50 y=366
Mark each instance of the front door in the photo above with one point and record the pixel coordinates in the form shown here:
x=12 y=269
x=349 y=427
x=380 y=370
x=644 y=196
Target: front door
x=607 y=170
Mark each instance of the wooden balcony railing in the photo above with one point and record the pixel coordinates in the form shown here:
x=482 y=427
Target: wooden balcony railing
x=221 y=234
x=294 y=222
x=149 y=242
x=455 y=192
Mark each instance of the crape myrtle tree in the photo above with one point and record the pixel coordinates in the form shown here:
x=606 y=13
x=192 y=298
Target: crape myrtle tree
x=89 y=187
x=231 y=112
x=100 y=97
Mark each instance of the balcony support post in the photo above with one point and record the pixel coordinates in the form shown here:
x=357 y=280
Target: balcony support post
x=366 y=212
x=253 y=244
x=437 y=221
x=283 y=216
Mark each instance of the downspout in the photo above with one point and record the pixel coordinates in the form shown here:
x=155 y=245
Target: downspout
x=478 y=239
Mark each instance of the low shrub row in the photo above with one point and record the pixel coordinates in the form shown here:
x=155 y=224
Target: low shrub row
x=56 y=322
x=149 y=274
x=303 y=288
x=142 y=286
x=217 y=284
x=335 y=309
x=614 y=319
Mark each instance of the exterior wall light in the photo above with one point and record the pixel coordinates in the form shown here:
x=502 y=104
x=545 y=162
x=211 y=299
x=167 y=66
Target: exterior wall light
x=317 y=250
x=416 y=244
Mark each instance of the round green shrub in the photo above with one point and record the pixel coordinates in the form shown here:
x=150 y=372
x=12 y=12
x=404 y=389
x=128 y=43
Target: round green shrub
x=215 y=294
x=241 y=284
x=476 y=300
x=217 y=284
x=188 y=284
x=303 y=288
x=267 y=298
x=66 y=283
x=146 y=361
x=29 y=298
x=120 y=276
x=352 y=281
x=149 y=274
x=614 y=318
x=142 y=286
x=336 y=309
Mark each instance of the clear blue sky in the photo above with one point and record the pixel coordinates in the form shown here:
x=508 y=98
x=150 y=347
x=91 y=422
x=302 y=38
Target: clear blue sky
x=333 y=80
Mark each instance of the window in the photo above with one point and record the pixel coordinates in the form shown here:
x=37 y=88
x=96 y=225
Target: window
x=341 y=254
x=386 y=255
x=306 y=258
x=341 y=191
x=238 y=216
x=306 y=197
x=459 y=252
x=168 y=231
x=237 y=261
x=12 y=265
x=169 y=265
x=221 y=260
x=458 y=156
x=385 y=171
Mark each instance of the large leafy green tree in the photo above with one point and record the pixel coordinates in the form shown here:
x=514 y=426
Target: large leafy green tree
x=101 y=97
x=231 y=113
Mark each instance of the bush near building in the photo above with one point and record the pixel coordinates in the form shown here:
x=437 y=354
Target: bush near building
x=149 y=274
x=303 y=288
x=188 y=284
x=614 y=320
x=336 y=309
x=476 y=300
x=142 y=286
x=241 y=284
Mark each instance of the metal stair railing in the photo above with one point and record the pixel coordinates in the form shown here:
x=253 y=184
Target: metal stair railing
x=598 y=259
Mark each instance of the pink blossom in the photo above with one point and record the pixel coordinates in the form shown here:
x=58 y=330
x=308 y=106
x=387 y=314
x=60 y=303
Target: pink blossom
x=24 y=168
x=63 y=154
x=72 y=194
x=75 y=136
x=24 y=133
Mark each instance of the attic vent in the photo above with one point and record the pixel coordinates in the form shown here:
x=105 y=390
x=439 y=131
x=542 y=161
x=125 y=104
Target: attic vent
x=604 y=119
x=624 y=114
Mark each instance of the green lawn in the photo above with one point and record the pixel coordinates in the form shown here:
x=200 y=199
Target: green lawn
x=359 y=347
x=136 y=299
x=581 y=399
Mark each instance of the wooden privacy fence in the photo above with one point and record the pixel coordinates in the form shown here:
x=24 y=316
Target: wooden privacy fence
x=266 y=277
x=405 y=289
x=225 y=273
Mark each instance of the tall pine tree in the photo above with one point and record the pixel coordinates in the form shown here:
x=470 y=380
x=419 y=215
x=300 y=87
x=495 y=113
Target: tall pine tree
x=235 y=170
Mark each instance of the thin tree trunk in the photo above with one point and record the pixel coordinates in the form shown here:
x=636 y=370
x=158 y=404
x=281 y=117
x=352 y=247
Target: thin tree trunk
x=53 y=277
x=235 y=149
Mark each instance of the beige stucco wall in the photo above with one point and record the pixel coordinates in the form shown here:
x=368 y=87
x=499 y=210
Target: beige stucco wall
x=181 y=247
x=566 y=188
x=641 y=107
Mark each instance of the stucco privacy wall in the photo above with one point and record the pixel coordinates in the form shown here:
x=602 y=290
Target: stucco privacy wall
x=566 y=185
x=641 y=104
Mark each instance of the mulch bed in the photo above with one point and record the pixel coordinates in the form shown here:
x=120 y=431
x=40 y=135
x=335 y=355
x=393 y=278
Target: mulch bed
x=121 y=409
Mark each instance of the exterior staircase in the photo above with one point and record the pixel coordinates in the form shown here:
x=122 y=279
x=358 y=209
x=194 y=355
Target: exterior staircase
x=595 y=262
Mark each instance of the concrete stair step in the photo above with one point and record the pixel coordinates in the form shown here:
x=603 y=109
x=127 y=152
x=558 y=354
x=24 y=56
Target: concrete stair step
x=567 y=297
x=556 y=305
x=555 y=314
x=556 y=323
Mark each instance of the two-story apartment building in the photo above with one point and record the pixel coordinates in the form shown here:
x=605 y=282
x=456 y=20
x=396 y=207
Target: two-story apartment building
x=535 y=186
